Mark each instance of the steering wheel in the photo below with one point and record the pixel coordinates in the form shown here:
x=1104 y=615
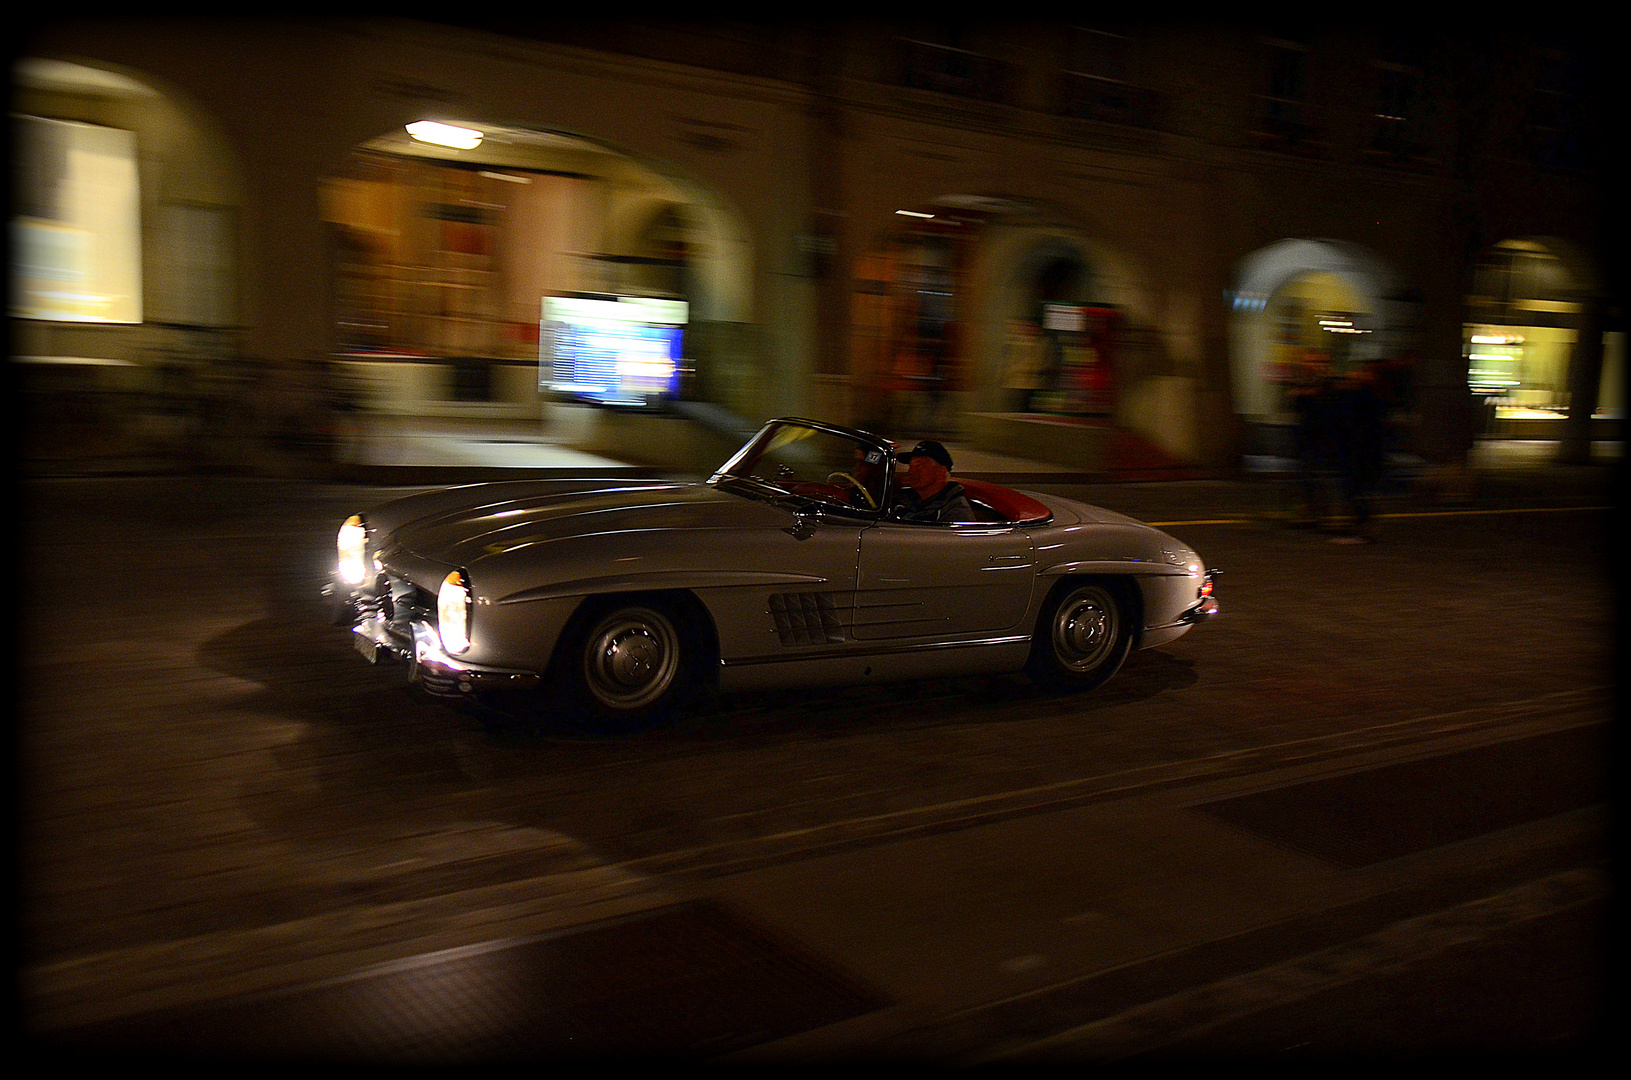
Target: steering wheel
x=872 y=504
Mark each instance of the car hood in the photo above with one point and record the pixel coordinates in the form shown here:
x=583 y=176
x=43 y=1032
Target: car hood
x=497 y=518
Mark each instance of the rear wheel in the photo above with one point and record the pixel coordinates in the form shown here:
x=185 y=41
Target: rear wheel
x=1084 y=634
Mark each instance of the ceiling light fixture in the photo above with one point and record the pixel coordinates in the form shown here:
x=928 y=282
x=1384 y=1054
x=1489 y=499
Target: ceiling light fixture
x=459 y=138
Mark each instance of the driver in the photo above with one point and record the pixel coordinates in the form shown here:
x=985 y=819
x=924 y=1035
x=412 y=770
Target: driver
x=928 y=493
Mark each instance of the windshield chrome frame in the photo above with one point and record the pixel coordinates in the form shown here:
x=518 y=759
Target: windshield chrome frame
x=864 y=439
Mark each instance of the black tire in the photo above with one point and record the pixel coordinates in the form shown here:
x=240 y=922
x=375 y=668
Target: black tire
x=1083 y=635
x=627 y=664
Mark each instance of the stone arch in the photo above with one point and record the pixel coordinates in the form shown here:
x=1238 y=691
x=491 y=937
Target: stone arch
x=1022 y=243
x=1016 y=252
x=1015 y=259
x=1008 y=241
x=1359 y=285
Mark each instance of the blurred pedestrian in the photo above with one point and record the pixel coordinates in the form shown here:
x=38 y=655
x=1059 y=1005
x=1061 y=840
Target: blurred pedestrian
x=1396 y=383
x=1396 y=379
x=1311 y=396
x=1360 y=415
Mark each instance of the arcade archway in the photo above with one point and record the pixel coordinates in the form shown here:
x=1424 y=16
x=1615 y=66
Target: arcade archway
x=127 y=258
x=444 y=256
x=976 y=304
x=1299 y=296
x=1525 y=339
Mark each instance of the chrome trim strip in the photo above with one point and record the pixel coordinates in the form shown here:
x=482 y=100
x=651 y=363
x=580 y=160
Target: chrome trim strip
x=874 y=650
x=665 y=579
x=1133 y=567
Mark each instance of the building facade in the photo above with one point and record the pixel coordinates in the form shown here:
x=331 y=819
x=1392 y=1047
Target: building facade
x=1036 y=238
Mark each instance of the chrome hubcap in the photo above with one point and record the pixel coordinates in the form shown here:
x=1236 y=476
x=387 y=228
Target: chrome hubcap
x=631 y=659
x=1086 y=628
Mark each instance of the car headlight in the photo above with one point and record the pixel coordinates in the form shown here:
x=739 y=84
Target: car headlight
x=352 y=546
x=453 y=613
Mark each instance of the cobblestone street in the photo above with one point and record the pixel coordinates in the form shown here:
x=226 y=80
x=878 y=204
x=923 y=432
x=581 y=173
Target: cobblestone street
x=220 y=798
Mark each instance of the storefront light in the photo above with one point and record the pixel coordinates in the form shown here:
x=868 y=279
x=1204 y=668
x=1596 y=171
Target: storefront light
x=459 y=138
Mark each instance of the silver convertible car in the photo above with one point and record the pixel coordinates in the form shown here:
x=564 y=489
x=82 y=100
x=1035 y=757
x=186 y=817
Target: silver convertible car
x=617 y=598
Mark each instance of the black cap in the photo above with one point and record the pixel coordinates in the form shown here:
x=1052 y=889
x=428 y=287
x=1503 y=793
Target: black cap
x=930 y=449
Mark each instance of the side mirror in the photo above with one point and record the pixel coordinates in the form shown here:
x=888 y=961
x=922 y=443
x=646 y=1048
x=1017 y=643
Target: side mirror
x=804 y=523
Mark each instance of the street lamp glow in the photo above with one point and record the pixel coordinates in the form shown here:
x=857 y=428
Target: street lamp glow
x=459 y=138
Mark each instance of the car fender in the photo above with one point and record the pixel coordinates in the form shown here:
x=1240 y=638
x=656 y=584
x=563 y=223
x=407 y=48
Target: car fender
x=1165 y=571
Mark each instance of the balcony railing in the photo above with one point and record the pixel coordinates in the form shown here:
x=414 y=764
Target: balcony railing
x=948 y=70
x=1110 y=101
x=1396 y=140
x=1289 y=125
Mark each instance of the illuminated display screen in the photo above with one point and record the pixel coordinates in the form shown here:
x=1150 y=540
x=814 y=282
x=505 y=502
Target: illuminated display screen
x=622 y=351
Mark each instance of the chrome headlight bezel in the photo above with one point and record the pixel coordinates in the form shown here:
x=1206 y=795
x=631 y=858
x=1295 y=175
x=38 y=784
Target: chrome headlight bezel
x=453 y=603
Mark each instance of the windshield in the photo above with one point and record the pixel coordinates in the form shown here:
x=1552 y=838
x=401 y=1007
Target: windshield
x=830 y=467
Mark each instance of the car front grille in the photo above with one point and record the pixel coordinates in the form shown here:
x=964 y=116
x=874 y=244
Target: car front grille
x=410 y=602
x=399 y=603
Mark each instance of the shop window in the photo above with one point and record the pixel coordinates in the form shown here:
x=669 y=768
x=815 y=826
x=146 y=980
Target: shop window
x=1519 y=339
x=76 y=225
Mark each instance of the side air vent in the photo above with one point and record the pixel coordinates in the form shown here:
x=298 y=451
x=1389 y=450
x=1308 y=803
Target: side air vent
x=807 y=619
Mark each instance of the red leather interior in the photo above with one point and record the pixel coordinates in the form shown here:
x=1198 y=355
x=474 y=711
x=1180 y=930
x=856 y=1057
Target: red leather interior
x=1012 y=505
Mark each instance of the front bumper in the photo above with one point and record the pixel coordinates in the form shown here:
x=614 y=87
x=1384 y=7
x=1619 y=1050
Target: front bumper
x=1206 y=607
x=1202 y=611
x=428 y=666
x=381 y=637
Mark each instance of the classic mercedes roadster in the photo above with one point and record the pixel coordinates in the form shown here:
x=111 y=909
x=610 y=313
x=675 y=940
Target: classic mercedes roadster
x=789 y=566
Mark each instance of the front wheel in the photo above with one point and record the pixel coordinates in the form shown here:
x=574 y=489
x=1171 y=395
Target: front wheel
x=1083 y=635
x=628 y=666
